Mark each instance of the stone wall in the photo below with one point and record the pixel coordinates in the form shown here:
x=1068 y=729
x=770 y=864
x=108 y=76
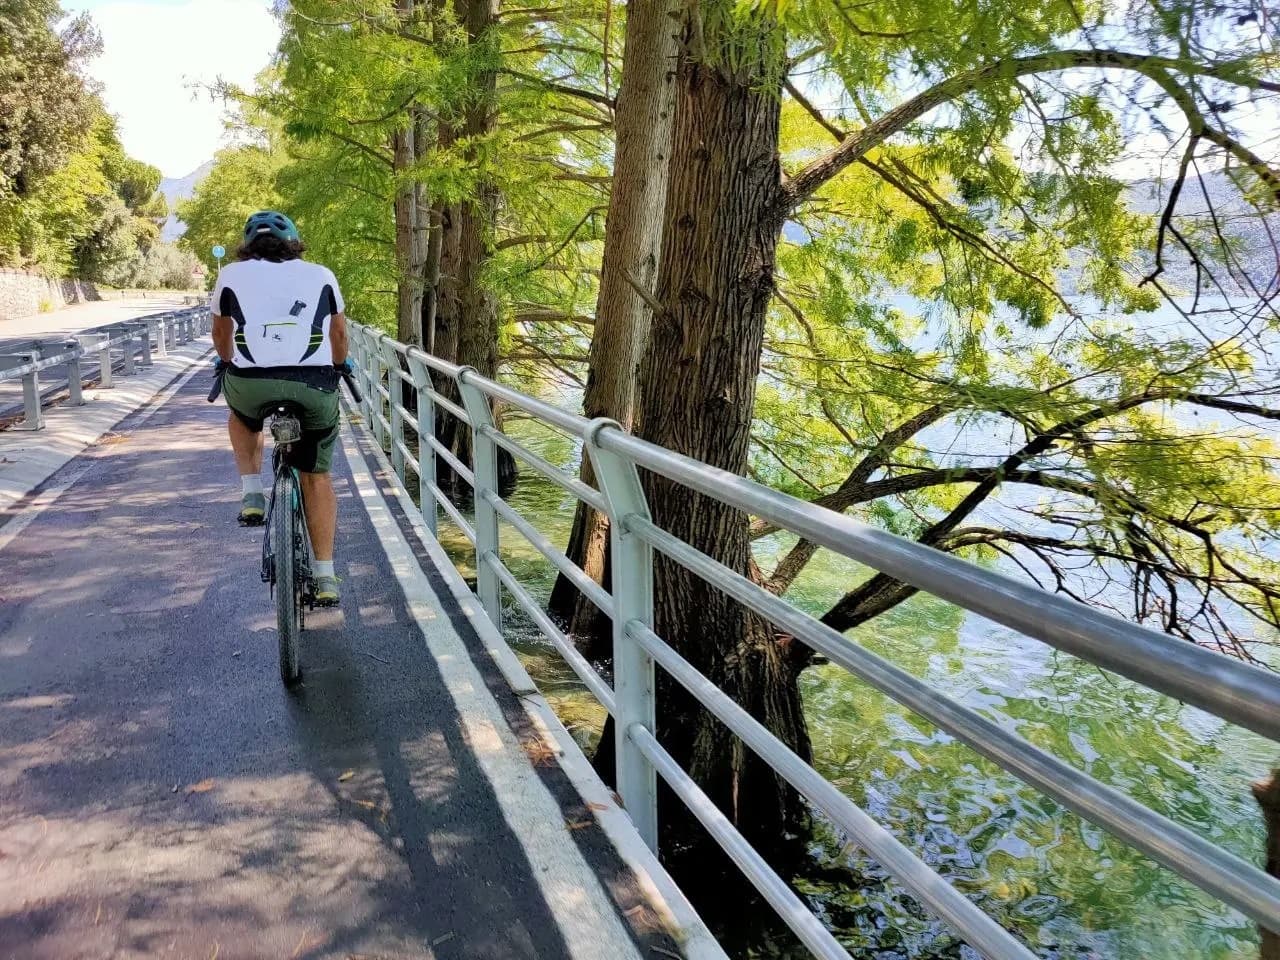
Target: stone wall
x=23 y=293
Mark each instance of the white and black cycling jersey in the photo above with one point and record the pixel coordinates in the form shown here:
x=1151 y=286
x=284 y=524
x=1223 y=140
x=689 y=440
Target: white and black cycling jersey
x=281 y=311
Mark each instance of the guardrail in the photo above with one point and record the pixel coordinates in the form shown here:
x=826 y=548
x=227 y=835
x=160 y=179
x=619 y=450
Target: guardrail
x=136 y=340
x=1228 y=688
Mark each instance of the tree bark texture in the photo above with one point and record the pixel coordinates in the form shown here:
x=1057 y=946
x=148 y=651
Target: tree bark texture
x=1267 y=793
x=697 y=394
x=642 y=121
x=478 y=306
x=409 y=250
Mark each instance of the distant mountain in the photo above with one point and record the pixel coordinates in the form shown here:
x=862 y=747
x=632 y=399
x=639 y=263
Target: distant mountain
x=181 y=189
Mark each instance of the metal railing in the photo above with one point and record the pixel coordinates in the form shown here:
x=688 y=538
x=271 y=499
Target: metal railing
x=1235 y=691
x=136 y=342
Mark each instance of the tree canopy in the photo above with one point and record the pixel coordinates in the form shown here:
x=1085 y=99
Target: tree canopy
x=1000 y=279
x=72 y=202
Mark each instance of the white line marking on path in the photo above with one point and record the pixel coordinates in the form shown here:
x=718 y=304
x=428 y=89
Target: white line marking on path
x=585 y=914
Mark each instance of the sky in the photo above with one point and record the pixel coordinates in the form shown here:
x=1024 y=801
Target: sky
x=156 y=51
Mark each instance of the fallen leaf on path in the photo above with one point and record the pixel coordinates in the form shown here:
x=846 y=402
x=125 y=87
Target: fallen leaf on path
x=343 y=778
x=578 y=824
x=598 y=806
x=204 y=786
x=444 y=938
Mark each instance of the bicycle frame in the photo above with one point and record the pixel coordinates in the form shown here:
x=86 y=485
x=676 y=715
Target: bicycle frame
x=285 y=431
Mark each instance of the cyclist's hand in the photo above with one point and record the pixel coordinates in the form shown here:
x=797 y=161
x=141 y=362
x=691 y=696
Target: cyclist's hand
x=219 y=365
x=346 y=367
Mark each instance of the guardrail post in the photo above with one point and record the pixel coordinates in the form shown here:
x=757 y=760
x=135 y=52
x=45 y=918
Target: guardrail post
x=97 y=343
x=158 y=337
x=130 y=365
x=171 y=332
x=32 y=415
x=392 y=361
x=426 y=430
x=633 y=673
x=484 y=456
x=75 y=388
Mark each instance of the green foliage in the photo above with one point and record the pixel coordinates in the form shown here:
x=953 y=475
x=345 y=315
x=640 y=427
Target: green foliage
x=44 y=104
x=242 y=181
x=71 y=200
x=985 y=260
x=168 y=266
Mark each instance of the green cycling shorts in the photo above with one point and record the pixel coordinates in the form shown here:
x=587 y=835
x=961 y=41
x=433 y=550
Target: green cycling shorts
x=252 y=399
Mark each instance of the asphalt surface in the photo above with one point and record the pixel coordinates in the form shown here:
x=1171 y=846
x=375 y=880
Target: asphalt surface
x=20 y=334
x=161 y=794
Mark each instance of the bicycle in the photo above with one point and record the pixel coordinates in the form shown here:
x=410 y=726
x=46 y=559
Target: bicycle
x=286 y=545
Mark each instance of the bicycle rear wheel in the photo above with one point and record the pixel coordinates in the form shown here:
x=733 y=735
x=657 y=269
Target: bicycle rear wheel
x=284 y=536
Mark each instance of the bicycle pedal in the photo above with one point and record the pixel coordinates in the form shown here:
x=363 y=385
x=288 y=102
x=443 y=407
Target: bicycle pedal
x=251 y=521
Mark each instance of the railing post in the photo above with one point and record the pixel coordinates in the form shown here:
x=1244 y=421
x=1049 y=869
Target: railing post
x=145 y=332
x=633 y=673
x=32 y=415
x=97 y=343
x=426 y=430
x=75 y=388
x=364 y=364
x=379 y=369
x=130 y=367
x=484 y=457
x=392 y=359
x=171 y=331
x=159 y=338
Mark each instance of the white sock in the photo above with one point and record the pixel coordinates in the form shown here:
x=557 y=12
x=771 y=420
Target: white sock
x=322 y=568
x=250 y=483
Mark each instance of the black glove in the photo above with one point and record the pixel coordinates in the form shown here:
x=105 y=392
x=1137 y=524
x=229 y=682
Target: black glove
x=219 y=365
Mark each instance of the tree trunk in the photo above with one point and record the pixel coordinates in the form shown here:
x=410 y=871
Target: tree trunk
x=478 y=328
x=409 y=250
x=697 y=394
x=408 y=292
x=1267 y=793
x=632 y=244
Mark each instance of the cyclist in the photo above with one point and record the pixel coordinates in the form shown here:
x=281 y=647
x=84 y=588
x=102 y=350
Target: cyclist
x=281 y=335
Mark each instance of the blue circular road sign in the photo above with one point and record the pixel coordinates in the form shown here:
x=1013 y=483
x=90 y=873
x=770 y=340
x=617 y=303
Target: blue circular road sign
x=218 y=251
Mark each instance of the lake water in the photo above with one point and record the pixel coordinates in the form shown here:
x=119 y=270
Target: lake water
x=1062 y=884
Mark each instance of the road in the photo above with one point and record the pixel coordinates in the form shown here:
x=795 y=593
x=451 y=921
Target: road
x=16 y=336
x=83 y=316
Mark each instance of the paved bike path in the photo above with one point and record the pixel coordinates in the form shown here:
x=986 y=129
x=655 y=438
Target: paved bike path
x=162 y=795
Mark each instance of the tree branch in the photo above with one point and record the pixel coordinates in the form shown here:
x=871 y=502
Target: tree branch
x=810 y=178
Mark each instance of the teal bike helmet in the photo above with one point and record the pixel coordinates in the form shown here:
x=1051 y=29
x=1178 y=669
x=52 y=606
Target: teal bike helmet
x=272 y=222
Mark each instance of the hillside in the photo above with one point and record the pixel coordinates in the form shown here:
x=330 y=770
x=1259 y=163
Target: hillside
x=175 y=190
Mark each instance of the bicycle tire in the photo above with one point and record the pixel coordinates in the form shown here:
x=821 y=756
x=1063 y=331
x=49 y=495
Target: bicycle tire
x=284 y=533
